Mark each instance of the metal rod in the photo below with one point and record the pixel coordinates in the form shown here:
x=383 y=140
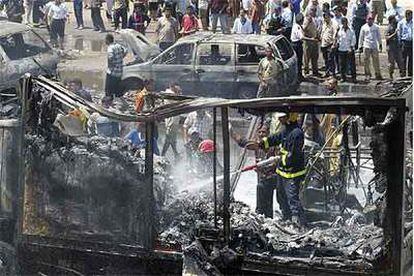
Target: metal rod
x=226 y=172
x=149 y=182
x=18 y=203
x=215 y=164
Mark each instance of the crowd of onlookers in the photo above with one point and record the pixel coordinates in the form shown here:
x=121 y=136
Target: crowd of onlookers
x=337 y=29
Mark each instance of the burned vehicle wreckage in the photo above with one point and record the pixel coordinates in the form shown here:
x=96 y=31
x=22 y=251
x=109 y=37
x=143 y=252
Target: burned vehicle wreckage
x=85 y=205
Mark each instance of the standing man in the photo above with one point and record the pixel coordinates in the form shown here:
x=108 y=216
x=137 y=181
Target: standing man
x=199 y=122
x=328 y=33
x=218 y=11
x=359 y=14
x=269 y=70
x=345 y=43
x=116 y=54
x=275 y=24
x=172 y=125
x=393 y=48
x=167 y=30
x=297 y=37
x=256 y=15
x=139 y=20
x=369 y=43
x=337 y=15
x=121 y=12
x=311 y=49
x=267 y=178
x=203 y=10
x=395 y=10
x=189 y=22
x=13 y=9
x=378 y=10
x=291 y=166
x=97 y=21
x=405 y=35
x=78 y=9
x=287 y=15
x=242 y=24
x=58 y=13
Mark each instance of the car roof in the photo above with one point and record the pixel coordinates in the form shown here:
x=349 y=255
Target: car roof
x=232 y=38
x=8 y=28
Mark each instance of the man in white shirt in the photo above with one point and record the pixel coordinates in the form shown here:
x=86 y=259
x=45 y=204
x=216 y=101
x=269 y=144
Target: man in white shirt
x=199 y=121
x=345 y=43
x=242 y=25
x=369 y=43
x=328 y=33
x=297 y=37
x=287 y=15
x=395 y=10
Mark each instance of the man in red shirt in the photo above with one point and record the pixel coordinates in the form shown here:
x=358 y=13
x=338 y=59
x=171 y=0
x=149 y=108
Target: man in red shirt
x=189 y=23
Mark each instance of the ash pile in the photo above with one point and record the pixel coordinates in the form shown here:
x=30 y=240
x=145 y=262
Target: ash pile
x=85 y=187
x=348 y=243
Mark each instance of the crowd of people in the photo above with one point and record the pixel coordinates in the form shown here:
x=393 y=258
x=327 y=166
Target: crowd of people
x=339 y=30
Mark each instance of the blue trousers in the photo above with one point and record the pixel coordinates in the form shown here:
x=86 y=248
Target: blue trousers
x=264 y=197
x=292 y=187
x=78 y=8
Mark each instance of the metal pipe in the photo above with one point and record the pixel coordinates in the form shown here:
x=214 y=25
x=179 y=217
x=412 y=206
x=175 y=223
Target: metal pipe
x=215 y=164
x=226 y=172
x=19 y=201
x=149 y=183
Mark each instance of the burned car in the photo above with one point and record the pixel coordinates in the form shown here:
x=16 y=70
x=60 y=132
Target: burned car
x=209 y=65
x=23 y=51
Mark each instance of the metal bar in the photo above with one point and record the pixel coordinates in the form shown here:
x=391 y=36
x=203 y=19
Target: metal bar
x=18 y=202
x=215 y=164
x=226 y=172
x=242 y=158
x=149 y=182
x=395 y=188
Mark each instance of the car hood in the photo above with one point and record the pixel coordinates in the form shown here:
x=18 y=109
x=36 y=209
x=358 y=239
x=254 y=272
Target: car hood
x=140 y=45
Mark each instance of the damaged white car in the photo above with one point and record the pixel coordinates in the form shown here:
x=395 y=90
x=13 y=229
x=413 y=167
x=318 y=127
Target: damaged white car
x=23 y=51
x=209 y=65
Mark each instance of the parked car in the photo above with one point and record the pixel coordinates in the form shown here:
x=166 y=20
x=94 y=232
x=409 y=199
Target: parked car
x=211 y=65
x=22 y=51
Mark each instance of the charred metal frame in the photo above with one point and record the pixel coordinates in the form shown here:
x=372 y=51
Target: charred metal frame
x=347 y=105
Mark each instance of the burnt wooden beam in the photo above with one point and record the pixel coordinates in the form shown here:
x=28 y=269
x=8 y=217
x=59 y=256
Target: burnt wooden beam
x=395 y=187
x=226 y=172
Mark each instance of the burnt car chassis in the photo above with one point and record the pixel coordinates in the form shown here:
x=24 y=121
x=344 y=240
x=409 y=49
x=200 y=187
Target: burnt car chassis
x=64 y=255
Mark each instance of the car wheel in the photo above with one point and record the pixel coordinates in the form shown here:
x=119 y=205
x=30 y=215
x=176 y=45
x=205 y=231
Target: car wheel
x=132 y=84
x=247 y=92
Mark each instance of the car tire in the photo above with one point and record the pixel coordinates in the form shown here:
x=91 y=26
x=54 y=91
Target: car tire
x=132 y=84
x=248 y=92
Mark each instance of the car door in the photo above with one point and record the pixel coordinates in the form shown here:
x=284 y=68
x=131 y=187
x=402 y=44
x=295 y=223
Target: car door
x=214 y=70
x=247 y=63
x=176 y=64
x=289 y=60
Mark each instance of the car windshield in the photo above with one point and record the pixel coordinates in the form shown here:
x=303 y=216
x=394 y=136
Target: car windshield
x=23 y=45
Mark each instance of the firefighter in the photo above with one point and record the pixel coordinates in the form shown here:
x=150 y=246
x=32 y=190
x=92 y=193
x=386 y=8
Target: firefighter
x=291 y=164
x=267 y=177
